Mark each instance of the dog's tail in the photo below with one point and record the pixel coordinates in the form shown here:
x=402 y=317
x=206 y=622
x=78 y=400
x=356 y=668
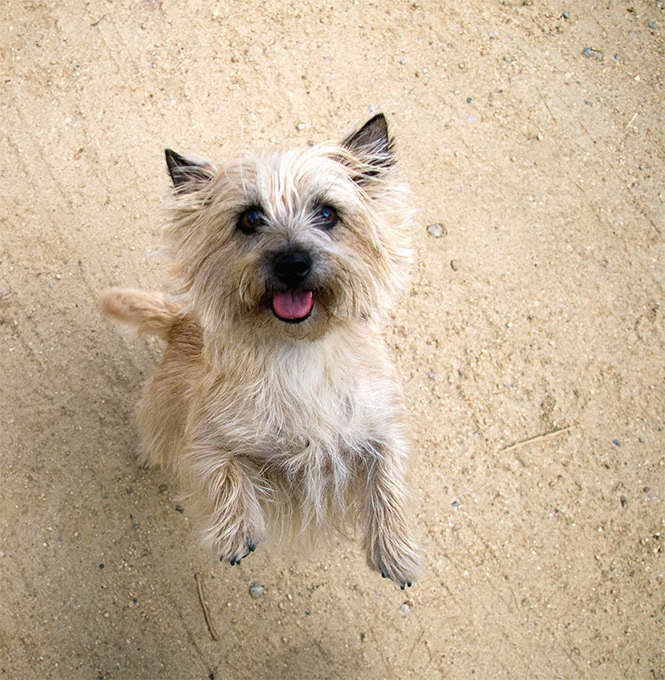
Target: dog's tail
x=147 y=311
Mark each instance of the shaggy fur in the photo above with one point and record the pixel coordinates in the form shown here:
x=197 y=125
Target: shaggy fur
x=279 y=428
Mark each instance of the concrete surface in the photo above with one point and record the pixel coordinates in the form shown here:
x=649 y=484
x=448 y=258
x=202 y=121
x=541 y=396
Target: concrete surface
x=540 y=310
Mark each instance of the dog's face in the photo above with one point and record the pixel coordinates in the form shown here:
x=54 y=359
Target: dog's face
x=291 y=243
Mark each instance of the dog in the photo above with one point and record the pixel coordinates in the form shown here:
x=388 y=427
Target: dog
x=276 y=403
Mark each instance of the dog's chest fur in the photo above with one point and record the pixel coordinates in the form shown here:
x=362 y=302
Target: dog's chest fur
x=304 y=402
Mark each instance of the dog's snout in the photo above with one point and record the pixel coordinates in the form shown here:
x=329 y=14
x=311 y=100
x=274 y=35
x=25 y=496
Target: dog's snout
x=292 y=267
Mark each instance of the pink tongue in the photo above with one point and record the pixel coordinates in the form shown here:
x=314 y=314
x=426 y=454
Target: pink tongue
x=293 y=304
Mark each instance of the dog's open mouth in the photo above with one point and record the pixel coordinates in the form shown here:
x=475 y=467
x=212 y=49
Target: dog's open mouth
x=292 y=306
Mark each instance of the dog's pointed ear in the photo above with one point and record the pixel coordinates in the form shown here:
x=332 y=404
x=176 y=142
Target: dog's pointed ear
x=186 y=173
x=372 y=145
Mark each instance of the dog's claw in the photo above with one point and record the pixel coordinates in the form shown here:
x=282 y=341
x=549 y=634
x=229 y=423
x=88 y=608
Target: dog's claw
x=251 y=547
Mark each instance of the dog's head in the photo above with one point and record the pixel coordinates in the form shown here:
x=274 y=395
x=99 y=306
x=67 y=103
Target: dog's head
x=291 y=242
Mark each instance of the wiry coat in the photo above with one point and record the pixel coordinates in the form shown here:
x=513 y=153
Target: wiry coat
x=280 y=429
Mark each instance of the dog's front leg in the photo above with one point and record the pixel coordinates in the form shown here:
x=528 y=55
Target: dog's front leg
x=388 y=542
x=225 y=495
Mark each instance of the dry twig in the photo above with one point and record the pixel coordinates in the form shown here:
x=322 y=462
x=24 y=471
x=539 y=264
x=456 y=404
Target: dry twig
x=536 y=438
x=205 y=608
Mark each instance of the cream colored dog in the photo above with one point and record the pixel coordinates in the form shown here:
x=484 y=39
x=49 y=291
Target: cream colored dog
x=276 y=402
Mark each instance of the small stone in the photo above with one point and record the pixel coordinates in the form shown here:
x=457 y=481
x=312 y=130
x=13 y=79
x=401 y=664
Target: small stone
x=591 y=53
x=308 y=612
x=624 y=501
x=540 y=137
x=455 y=504
x=179 y=508
x=404 y=609
x=163 y=488
x=653 y=25
x=616 y=442
x=454 y=265
x=363 y=637
x=436 y=230
x=469 y=100
x=256 y=590
x=301 y=126
x=565 y=15
x=101 y=565
x=401 y=61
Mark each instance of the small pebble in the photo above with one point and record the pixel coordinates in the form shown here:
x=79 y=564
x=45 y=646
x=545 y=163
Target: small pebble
x=653 y=25
x=590 y=53
x=301 y=126
x=565 y=15
x=624 y=501
x=101 y=565
x=616 y=442
x=436 y=230
x=453 y=265
x=469 y=100
x=404 y=609
x=256 y=590
x=179 y=508
x=455 y=504
x=363 y=637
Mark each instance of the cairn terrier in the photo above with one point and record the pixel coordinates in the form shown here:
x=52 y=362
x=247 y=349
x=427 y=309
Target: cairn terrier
x=276 y=402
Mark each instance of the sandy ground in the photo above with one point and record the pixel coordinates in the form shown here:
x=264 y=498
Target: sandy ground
x=539 y=311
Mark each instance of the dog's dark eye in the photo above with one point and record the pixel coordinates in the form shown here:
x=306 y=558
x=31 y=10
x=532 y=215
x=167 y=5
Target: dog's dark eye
x=325 y=217
x=250 y=220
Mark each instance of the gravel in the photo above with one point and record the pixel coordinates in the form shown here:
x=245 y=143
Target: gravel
x=256 y=590
x=436 y=230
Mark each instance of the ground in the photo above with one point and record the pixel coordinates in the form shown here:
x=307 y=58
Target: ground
x=530 y=342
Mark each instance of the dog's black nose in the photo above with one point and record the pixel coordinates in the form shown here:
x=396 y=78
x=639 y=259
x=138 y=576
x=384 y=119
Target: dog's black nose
x=292 y=267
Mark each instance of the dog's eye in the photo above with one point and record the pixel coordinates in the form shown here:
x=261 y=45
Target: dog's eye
x=250 y=220
x=325 y=217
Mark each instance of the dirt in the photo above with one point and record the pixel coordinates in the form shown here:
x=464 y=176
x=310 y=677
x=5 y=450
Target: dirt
x=531 y=341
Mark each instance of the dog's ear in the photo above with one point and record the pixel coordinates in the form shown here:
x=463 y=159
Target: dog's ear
x=373 y=146
x=187 y=174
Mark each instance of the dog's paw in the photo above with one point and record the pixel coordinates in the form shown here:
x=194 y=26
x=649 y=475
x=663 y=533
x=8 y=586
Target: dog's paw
x=402 y=584
x=236 y=556
x=399 y=561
